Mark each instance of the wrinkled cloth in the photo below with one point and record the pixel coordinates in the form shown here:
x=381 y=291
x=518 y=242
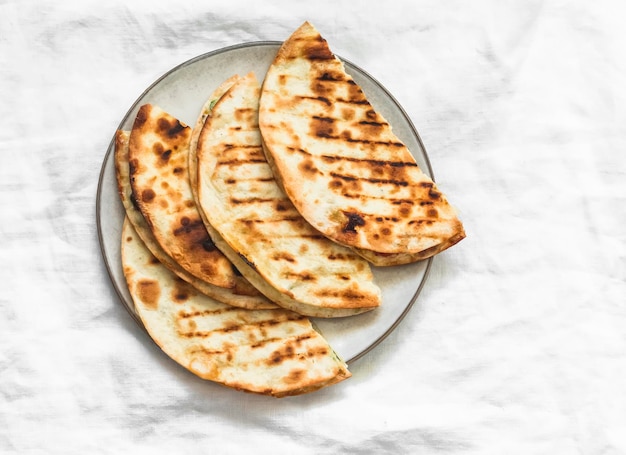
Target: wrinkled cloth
x=517 y=342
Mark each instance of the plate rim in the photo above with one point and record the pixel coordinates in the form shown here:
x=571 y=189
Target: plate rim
x=249 y=44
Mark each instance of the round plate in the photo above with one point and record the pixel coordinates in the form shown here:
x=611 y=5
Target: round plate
x=181 y=92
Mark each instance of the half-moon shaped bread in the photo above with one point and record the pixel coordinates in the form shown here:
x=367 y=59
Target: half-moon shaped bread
x=252 y=221
x=341 y=165
x=271 y=352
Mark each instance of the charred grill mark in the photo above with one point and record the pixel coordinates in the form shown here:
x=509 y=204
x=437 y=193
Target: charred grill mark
x=345 y=294
x=321 y=99
x=308 y=167
x=305 y=236
x=187 y=226
x=240 y=146
x=233 y=327
x=288 y=351
x=251 y=200
x=334 y=77
x=334 y=158
x=389 y=181
x=354 y=220
x=274 y=220
x=349 y=178
x=239 y=162
x=318 y=50
x=180 y=295
x=432 y=192
x=165 y=156
x=341 y=257
x=371 y=114
x=358 y=101
x=233 y=181
x=283 y=256
x=380 y=219
x=194 y=314
x=170 y=129
x=428 y=221
x=372 y=123
x=303 y=276
x=322 y=126
x=395 y=144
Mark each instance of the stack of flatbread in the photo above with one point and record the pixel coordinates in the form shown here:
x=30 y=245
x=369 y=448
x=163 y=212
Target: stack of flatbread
x=269 y=211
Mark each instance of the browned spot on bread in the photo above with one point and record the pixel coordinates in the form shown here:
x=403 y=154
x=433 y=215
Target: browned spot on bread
x=432 y=213
x=209 y=245
x=347 y=113
x=281 y=206
x=180 y=294
x=170 y=129
x=294 y=376
x=149 y=292
x=335 y=184
x=307 y=167
x=322 y=126
x=244 y=114
x=433 y=194
x=148 y=195
x=318 y=49
x=158 y=148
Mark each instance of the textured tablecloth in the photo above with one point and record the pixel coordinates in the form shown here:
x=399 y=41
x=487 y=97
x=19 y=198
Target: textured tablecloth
x=517 y=343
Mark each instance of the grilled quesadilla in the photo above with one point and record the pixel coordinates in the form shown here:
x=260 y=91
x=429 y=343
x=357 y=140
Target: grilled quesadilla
x=240 y=293
x=341 y=165
x=272 y=352
x=252 y=221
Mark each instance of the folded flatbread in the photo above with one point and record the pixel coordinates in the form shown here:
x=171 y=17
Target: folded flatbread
x=272 y=352
x=341 y=165
x=239 y=292
x=252 y=221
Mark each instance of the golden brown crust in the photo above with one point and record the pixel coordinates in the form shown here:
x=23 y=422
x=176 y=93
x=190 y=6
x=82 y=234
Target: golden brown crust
x=340 y=163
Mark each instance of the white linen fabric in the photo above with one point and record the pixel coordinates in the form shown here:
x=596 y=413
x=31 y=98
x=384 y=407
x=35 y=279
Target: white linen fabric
x=516 y=344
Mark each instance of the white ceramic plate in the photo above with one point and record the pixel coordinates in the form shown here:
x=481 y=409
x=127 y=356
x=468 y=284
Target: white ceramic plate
x=181 y=92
